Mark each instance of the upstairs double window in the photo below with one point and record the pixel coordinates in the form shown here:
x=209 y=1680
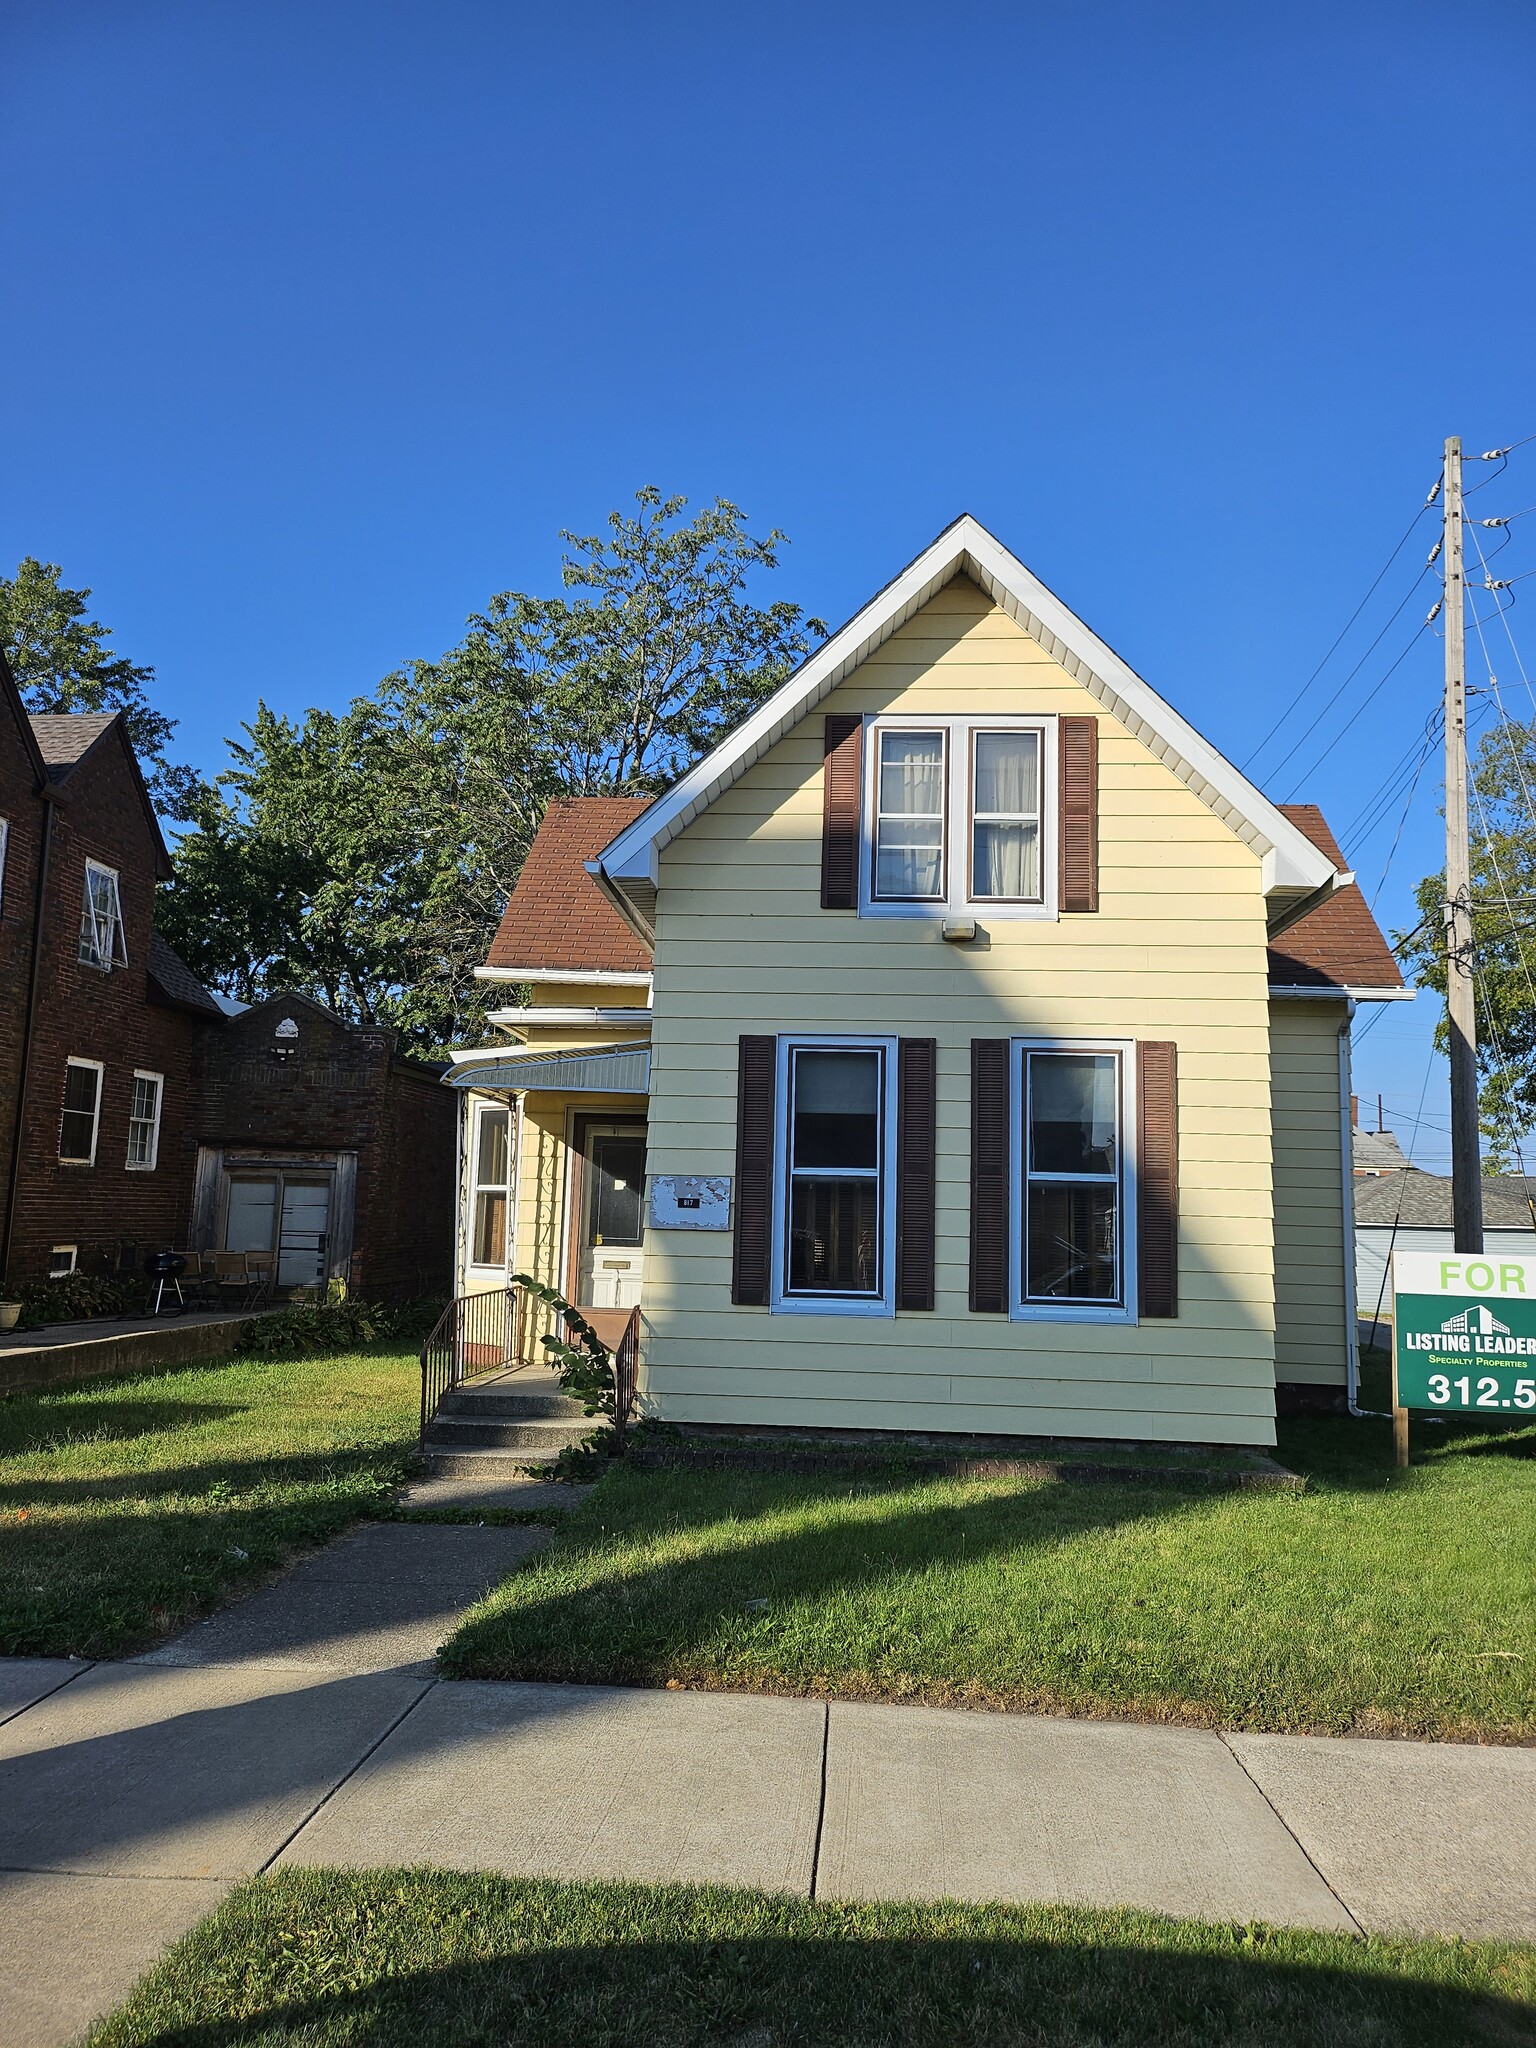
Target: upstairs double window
x=101 y=920
x=957 y=817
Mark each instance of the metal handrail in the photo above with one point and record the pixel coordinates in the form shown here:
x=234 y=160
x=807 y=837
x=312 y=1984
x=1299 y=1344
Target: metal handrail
x=626 y=1368
x=474 y=1335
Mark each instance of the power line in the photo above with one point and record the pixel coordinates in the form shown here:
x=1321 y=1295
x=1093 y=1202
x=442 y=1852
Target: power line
x=1364 y=705
x=1359 y=608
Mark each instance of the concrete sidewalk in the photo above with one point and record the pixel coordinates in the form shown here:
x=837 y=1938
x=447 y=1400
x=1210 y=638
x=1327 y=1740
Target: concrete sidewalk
x=303 y=1727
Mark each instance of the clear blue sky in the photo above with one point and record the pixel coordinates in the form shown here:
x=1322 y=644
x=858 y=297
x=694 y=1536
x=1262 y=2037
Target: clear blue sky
x=322 y=321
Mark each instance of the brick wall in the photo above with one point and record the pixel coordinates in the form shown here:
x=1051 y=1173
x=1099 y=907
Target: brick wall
x=22 y=809
x=92 y=1014
x=405 y=1224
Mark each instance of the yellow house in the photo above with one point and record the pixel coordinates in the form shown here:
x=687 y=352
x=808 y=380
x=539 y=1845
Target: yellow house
x=963 y=1045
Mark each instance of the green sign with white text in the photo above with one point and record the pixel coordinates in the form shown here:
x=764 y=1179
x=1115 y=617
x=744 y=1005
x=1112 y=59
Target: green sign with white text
x=1464 y=1333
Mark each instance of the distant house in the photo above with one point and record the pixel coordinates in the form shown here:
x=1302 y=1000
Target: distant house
x=1411 y=1212
x=962 y=1045
x=135 y=1114
x=1378 y=1152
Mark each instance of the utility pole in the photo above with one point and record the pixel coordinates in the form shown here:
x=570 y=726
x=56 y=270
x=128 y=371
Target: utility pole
x=1461 y=990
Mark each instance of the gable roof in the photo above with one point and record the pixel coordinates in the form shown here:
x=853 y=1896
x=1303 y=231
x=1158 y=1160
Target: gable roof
x=172 y=980
x=557 y=918
x=10 y=696
x=1292 y=865
x=65 y=738
x=1338 y=944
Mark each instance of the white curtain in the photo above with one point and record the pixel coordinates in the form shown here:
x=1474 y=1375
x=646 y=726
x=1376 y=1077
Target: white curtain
x=908 y=846
x=1005 y=857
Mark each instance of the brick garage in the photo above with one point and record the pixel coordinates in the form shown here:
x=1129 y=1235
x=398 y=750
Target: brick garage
x=293 y=1099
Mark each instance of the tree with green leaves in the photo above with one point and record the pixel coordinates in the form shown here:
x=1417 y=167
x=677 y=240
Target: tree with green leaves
x=62 y=663
x=365 y=857
x=1503 y=846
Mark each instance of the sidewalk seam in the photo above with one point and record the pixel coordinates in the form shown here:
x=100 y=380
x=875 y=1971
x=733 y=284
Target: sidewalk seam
x=821 y=1801
x=347 y=1776
x=1341 y=1903
x=87 y=1664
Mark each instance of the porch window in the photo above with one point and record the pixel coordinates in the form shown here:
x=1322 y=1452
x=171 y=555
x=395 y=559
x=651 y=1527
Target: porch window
x=82 y=1112
x=835 y=1221
x=491 y=1160
x=101 y=920
x=144 y=1122
x=1074 y=1188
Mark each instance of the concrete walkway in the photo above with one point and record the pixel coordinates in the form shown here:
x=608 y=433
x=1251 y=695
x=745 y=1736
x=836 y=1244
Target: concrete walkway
x=303 y=1727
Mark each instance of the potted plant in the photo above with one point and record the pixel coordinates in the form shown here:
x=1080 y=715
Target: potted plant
x=10 y=1314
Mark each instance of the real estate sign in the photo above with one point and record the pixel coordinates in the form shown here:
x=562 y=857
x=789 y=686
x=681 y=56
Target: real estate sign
x=1464 y=1332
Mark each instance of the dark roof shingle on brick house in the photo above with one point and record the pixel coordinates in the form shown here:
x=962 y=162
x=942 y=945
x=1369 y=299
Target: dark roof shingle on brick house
x=557 y=919
x=1339 y=944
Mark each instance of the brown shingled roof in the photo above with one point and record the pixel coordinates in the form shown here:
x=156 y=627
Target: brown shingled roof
x=1338 y=945
x=66 y=737
x=174 y=982
x=557 y=917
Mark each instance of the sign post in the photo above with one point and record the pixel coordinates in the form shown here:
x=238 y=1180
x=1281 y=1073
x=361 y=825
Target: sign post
x=1463 y=1337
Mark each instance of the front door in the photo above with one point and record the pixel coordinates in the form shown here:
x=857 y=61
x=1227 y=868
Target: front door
x=610 y=1251
x=306 y=1216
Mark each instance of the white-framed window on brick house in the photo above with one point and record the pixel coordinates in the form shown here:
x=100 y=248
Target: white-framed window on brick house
x=144 y=1121
x=101 y=920
x=834 y=1223
x=1073 y=1254
x=958 y=817
x=62 y=1260
x=81 y=1117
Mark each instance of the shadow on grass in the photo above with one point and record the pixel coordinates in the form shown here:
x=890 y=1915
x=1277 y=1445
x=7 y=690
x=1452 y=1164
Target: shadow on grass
x=393 y=1960
x=229 y=1477
x=637 y=1622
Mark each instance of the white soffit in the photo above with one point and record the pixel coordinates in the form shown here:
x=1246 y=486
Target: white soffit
x=1291 y=862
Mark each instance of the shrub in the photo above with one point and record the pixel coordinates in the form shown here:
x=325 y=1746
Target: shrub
x=337 y=1325
x=74 y=1296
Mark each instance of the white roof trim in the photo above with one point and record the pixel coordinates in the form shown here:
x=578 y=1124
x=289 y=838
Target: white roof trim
x=1290 y=861
x=572 y=976
x=1280 y=990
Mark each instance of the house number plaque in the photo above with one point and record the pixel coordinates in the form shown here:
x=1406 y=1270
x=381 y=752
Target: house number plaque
x=690 y=1201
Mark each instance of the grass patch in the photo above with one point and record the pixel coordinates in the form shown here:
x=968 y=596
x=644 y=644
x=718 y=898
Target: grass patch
x=397 y=1958
x=130 y=1506
x=1373 y=1602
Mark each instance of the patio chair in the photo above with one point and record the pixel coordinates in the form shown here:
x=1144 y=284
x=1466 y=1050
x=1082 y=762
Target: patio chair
x=262 y=1268
x=231 y=1278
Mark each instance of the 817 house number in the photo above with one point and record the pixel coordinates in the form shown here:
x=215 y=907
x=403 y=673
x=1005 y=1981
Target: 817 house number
x=1489 y=1392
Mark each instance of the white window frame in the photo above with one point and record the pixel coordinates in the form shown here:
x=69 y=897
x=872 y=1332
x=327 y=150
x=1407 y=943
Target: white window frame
x=91 y=950
x=5 y=841
x=959 y=731
x=482 y=1106
x=1124 y=1310
x=145 y=1165
x=780 y=1300
x=98 y=1068
x=58 y=1250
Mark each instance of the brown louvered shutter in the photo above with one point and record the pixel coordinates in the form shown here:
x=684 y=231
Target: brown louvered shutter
x=1157 y=1178
x=1077 y=797
x=917 y=1111
x=751 y=1251
x=990 y=1107
x=841 y=772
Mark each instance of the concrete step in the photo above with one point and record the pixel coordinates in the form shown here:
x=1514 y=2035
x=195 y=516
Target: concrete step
x=484 y=1464
x=506 y=1406
x=458 y=1432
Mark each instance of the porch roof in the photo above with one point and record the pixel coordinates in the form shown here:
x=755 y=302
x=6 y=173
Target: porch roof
x=600 y=1070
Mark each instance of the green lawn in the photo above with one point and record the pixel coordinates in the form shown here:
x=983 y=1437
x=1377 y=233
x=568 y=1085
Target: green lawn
x=395 y=1959
x=1373 y=1603
x=129 y=1506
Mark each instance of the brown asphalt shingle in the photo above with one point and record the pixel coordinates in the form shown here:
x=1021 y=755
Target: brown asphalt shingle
x=64 y=737
x=557 y=917
x=1338 y=945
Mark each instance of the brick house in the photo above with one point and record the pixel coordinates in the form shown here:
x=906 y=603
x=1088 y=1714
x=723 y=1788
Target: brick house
x=121 y=1076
